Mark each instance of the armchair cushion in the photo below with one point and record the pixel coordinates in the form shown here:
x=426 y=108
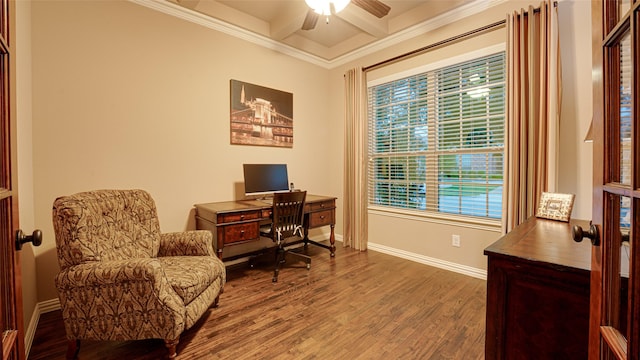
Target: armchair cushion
x=189 y=276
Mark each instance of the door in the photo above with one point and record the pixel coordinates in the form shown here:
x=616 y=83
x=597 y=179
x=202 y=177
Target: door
x=11 y=299
x=615 y=264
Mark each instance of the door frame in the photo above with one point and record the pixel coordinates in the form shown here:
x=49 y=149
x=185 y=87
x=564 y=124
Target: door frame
x=11 y=315
x=606 y=305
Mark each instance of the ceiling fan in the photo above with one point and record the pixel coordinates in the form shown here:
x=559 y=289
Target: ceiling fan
x=326 y=7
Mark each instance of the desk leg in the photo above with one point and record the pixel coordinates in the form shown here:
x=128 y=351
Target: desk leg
x=332 y=240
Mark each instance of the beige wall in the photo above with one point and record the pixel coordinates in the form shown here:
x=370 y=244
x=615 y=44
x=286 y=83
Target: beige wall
x=127 y=97
x=576 y=158
x=124 y=96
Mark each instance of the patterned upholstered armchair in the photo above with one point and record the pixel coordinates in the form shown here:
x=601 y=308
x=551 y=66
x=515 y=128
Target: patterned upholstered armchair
x=121 y=279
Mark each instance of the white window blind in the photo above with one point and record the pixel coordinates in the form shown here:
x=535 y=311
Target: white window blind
x=436 y=139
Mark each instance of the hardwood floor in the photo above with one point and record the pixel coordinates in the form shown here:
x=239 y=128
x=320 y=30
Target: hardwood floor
x=359 y=305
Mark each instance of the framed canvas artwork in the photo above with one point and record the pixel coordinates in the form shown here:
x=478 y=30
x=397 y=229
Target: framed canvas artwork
x=261 y=116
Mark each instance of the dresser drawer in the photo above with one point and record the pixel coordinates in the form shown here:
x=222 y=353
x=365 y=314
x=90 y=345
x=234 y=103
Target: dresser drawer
x=241 y=232
x=239 y=216
x=321 y=218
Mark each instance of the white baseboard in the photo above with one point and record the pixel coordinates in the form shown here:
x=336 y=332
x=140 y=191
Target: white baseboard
x=446 y=265
x=30 y=331
x=49 y=305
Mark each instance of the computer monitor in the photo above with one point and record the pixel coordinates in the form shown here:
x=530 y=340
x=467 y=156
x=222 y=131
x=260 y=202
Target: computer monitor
x=265 y=179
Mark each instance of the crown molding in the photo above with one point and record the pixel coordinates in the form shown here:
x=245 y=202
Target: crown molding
x=195 y=17
x=451 y=16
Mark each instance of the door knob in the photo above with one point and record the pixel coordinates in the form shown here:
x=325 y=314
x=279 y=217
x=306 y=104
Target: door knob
x=579 y=234
x=21 y=238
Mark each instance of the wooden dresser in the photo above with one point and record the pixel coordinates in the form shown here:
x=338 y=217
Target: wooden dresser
x=538 y=293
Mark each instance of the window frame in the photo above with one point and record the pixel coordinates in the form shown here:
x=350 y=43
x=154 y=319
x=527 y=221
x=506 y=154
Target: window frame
x=429 y=215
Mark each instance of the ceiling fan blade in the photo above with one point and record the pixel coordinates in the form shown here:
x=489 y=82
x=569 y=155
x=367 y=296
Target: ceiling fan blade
x=375 y=7
x=310 y=20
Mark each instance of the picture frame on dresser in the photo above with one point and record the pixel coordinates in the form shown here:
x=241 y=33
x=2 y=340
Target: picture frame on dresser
x=555 y=206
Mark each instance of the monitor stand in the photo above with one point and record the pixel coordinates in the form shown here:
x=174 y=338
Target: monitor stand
x=267 y=199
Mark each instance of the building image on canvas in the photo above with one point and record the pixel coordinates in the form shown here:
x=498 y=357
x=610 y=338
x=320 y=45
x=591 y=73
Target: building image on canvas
x=260 y=115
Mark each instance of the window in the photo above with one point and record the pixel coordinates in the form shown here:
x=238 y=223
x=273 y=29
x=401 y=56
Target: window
x=436 y=139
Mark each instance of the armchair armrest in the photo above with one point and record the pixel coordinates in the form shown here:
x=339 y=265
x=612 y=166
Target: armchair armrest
x=105 y=273
x=187 y=243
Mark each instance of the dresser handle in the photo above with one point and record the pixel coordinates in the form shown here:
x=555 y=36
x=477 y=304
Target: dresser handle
x=241 y=217
x=321 y=217
x=242 y=234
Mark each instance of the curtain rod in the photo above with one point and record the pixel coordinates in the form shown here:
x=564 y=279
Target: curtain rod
x=434 y=45
x=442 y=42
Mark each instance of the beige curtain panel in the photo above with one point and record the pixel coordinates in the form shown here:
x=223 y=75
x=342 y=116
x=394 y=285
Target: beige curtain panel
x=533 y=109
x=355 y=163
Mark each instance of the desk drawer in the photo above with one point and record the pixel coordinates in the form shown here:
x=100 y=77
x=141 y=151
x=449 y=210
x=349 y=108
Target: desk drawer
x=239 y=216
x=241 y=232
x=321 y=218
x=316 y=206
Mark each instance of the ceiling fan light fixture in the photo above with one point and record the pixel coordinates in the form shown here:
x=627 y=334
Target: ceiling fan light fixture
x=323 y=7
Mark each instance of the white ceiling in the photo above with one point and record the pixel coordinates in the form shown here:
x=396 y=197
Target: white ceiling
x=351 y=31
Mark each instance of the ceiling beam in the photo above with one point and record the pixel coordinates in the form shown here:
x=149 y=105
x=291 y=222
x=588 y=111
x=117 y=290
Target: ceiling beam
x=364 y=21
x=190 y=4
x=230 y=15
x=288 y=22
x=374 y=7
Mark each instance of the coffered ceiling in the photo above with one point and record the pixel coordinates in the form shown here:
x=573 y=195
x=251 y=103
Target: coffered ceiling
x=337 y=37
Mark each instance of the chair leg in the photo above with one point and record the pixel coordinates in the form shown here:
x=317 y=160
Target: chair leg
x=306 y=258
x=172 y=345
x=215 y=302
x=279 y=260
x=73 y=348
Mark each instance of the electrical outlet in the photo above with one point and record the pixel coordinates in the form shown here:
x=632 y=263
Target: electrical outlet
x=455 y=240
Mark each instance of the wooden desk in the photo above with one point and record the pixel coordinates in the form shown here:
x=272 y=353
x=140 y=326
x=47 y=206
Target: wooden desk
x=238 y=222
x=538 y=293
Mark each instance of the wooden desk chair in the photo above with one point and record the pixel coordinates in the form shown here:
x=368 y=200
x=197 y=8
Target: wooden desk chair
x=287 y=223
